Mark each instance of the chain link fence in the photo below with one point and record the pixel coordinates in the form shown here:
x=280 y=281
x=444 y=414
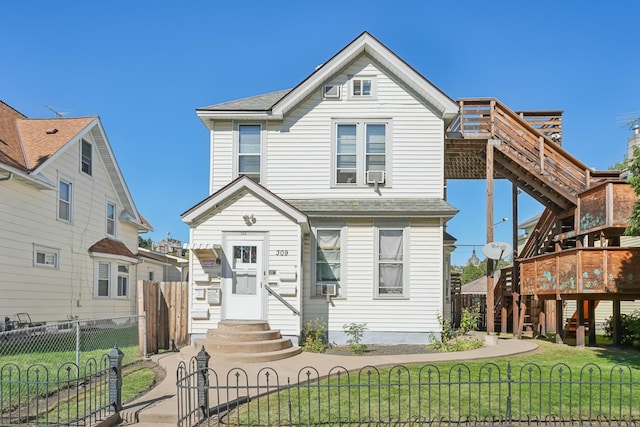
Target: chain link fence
x=76 y=341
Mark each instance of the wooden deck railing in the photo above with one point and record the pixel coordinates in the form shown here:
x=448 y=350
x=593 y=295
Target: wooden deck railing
x=541 y=234
x=525 y=144
x=599 y=271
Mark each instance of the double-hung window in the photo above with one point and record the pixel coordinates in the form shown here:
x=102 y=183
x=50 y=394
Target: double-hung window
x=328 y=261
x=390 y=262
x=360 y=147
x=111 y=219
x=86 y=157
x=65 y=200
x=249 y=151
x=123 y=281
x=104 y=279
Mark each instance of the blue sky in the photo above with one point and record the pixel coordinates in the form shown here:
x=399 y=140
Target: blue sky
x=144 y=67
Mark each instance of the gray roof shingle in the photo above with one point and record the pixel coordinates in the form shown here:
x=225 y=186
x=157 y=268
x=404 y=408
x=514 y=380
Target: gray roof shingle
x=425 y=207
x=253 y=103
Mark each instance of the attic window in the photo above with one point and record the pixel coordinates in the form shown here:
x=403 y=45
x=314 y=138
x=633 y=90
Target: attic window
x=86 y=158
x=51 y=131
x=363 y=87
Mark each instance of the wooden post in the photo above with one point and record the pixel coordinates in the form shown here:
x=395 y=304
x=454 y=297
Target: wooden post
x=617 y=323
x=515 y=274
x=592 y=323
x=542 y=320
x=580 y=323
x=490 y=284
x=515 y=315
x=559 y=326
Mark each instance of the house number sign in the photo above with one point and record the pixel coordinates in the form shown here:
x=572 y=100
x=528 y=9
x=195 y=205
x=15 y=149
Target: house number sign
x=282 y=252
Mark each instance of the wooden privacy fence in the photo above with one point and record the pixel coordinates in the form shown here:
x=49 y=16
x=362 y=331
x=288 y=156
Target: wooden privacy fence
x=165 y=305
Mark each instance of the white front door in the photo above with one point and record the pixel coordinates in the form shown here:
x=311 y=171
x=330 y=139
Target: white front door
x=243 y=290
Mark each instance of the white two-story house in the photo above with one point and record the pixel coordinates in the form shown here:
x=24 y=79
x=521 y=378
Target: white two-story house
x=327 y=201
x=68 y=223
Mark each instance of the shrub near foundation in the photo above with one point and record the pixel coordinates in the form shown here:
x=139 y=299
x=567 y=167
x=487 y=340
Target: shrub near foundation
x=460 y=339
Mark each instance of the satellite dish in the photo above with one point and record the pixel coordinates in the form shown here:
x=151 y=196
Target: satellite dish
x=496 y=250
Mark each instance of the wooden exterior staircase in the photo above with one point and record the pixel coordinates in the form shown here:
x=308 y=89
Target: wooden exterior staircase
x=526 y=149
x=243 y=342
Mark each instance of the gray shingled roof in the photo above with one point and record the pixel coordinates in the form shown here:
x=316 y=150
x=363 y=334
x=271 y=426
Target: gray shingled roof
x=253 y=103
x=379 y=208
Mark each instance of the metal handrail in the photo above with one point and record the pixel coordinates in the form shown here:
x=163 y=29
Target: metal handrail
x=282 y=300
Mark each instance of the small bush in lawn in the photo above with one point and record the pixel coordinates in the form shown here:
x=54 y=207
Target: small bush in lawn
x=314 y=336
x=458 y=340
x=629 y=328
x=355 y=332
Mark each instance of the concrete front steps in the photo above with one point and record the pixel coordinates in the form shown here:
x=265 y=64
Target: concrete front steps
x=243 y=341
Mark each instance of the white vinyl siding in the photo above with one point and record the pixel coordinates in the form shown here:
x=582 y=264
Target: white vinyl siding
x=29 y=215
x=282 y=239
x=299 y=152
x=65 y=200
x=414 y=313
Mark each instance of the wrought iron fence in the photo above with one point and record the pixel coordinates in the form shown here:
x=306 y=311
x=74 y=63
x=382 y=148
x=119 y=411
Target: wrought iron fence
x=409 y=395
x=75 y=341
x=69 y=395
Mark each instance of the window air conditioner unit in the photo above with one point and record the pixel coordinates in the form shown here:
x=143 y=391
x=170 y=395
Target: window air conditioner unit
x=375 y=177
x=330 y=290
x=331 y=92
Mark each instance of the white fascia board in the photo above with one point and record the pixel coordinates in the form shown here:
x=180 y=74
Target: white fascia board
x=318 y=77
x=38 y=181
x=245 y=184
x=447 y=107
x=115 y=257
x=119 y=177
x=237 y=115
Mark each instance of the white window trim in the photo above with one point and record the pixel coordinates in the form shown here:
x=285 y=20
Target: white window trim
x=361 y=154
x=236 y=148
x=342 y=284
x=406 y=232
x=374 y=87
x=332 y=87
x=82 y=141
x=39 y=249
x=71 y=199
x=97 y=280
x=126 y=275
x=115 y=218
x=114 y=274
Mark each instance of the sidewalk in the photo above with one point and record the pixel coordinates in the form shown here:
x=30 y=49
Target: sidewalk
x=159 y=406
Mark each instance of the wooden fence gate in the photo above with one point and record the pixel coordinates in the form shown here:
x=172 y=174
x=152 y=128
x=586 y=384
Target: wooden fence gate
x=165 y=305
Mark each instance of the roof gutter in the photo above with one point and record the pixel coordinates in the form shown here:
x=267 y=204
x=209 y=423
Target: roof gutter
x=8 y=177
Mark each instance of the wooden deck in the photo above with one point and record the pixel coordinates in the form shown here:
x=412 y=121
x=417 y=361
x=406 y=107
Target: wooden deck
x=583 y=273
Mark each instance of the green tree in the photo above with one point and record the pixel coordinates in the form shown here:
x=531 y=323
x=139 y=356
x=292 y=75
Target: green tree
x=145 y=243
x=472 y=272
x=633 y=227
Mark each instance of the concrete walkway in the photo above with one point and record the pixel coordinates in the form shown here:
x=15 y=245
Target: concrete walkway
x=159 y=407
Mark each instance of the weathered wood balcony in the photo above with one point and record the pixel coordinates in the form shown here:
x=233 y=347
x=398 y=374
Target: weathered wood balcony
x=596 y=273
